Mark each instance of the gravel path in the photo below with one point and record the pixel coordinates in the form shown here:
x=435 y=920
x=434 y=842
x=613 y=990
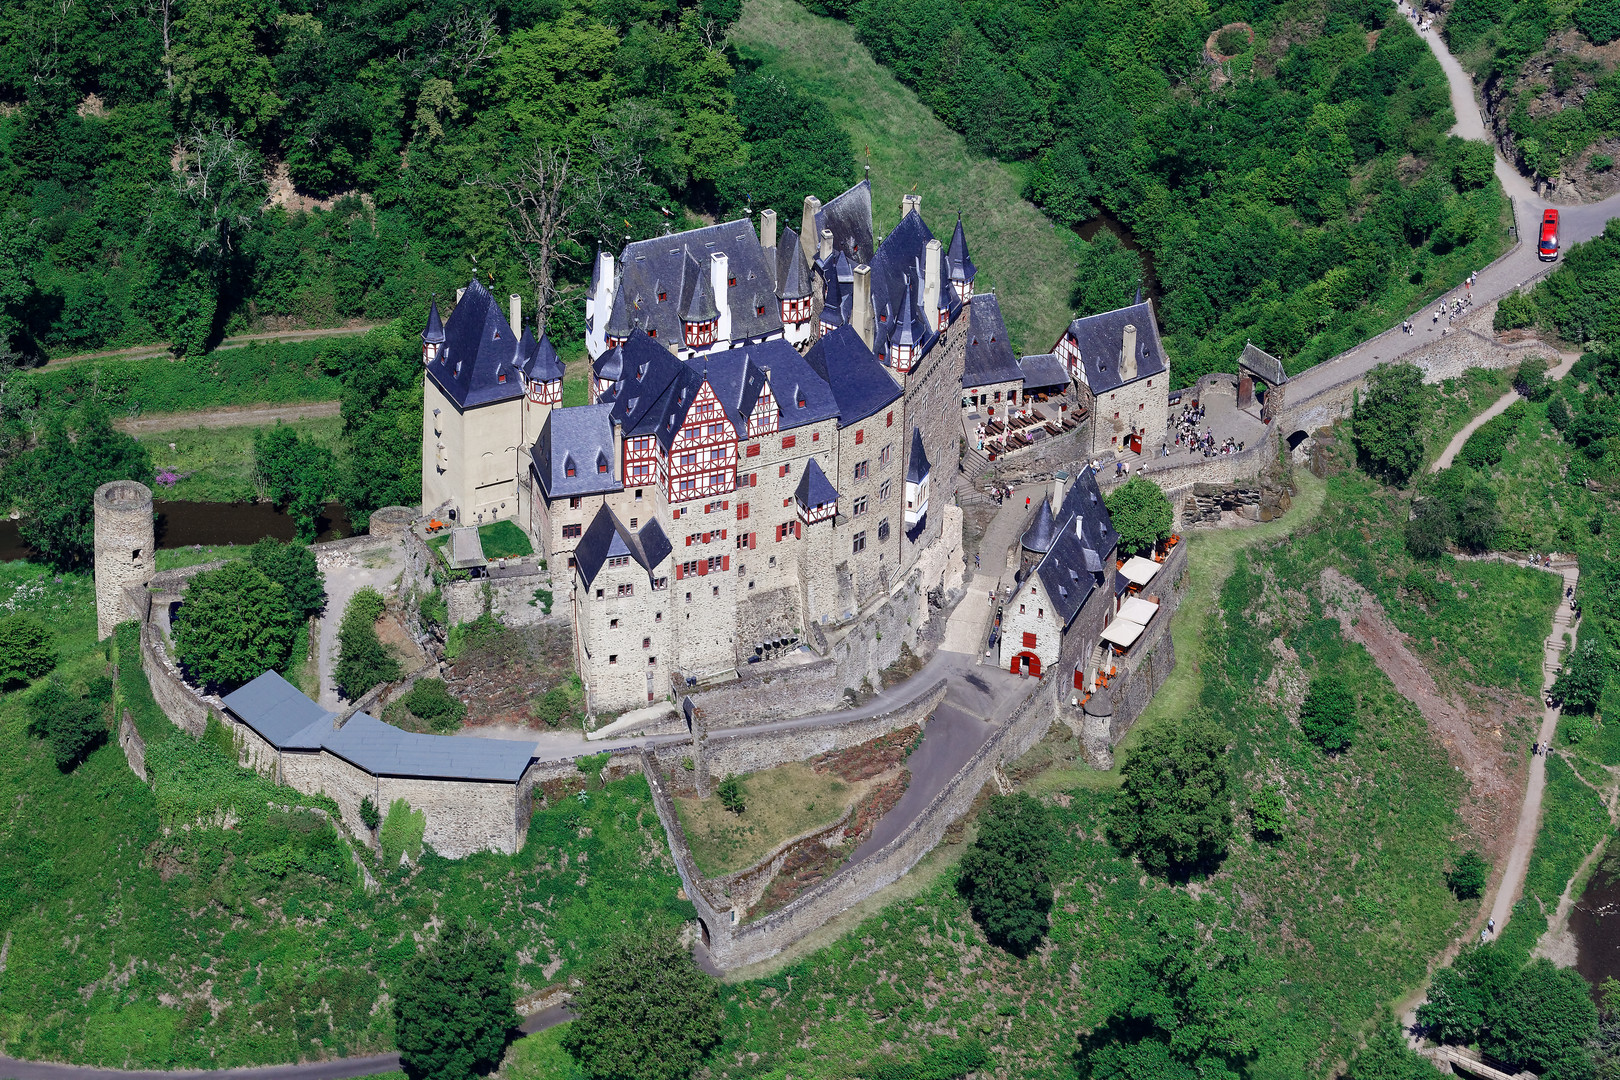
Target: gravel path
x=161 y=348
x=231 y=416
x=1497 y=408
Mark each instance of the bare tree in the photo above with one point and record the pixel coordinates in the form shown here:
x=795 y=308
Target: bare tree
x=540 y=199
x=470 y=37
x=220 y=182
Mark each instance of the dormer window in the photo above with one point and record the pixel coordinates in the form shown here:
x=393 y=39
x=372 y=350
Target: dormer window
x=760 y=310
x=601 y=467
x=731 y=282
x=662 y=297
x=501 y=377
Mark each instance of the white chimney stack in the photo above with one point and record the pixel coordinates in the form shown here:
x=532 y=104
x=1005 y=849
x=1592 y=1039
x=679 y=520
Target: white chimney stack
x=514 y=309
x=908 y=203
x=861 y=311
x=767 y=230
x=930 y=296
x=719 y=274
x=807 y=228
x=826 y=243
x=1127 y=354
x=1057 y=493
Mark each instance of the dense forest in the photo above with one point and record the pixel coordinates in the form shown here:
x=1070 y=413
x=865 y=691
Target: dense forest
x=402 y=145
x=1301 y=193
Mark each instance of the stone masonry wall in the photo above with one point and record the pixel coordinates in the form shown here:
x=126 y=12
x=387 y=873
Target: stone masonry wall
x=745 y=888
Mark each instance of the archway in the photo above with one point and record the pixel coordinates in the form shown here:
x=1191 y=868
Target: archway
x=1026 y=663
x=1296 y=438
x=703 y=932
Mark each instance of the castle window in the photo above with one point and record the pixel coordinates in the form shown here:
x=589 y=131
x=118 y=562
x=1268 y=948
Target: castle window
x=1029 y=641
x=599 y=594
x=601 y=466
x=883 y=456
x=571 y=532
x=573 y=504
x=626 y=589
x=883 y=529
x=1020 y=609
x=633 y=522
x=760 y=310
x=860 y=437
x=613 y=658
x=651 y=660
x=613 y=624
x=860 y=542
x=888 y=421
x=501 y=377
x=619 y=560
x=731 y=282
x=885 y=489
x=570 y=470
x=860 y=506
x=789 y=441
x=862 y=468
x=662 y=296
x=715 y=563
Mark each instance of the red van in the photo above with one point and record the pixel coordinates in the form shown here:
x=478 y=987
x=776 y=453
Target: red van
x=1547 y=246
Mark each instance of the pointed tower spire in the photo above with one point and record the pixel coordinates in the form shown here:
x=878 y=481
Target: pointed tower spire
x=433 y=336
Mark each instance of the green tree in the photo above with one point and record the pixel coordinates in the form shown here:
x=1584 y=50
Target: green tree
x=731 y=794
x=1269 y=813
x=1004 y=874
x=1461 y=996
x=222 y=62
x=297 y=472
x=1429 y=529
x=1543 y=1021
x=364 y=661
x=1141 y=513
x=27 y=650
x=233 y=626
x=71 y=724
x=1581 y=680
x=1514 y=311
x=454 y=1008
x=1328 y=717
x=1387 y=420
x=292 y=566
x=1531 y=379
x=1467 y=879
x=1387 y=1056
x=370 y=816
x=643 y=1011
x=1174 y=808
x=55 y=484
x=1107 y=275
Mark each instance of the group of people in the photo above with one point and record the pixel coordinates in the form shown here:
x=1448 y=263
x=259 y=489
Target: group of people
x=1451 y=309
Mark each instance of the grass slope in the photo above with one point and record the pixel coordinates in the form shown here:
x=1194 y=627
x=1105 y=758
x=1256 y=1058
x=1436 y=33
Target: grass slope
x=1020 y=254
x=217 y=464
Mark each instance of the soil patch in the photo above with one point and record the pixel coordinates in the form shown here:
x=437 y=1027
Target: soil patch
x=869 y=758
x=502 y=676
x=1473 y=739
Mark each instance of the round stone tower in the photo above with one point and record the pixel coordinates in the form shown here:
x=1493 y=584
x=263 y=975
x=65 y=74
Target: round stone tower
x=125 y=549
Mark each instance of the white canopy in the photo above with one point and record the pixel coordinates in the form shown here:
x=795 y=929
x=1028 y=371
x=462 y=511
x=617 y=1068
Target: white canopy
x=1138 y=610
x=1122 y=632
x=1139 y=571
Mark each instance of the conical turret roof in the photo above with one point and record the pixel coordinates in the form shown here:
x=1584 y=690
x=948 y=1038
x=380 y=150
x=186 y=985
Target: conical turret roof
x=795 y=274
x=434 y=334
x=1042 y=531
x=700 y=306
x=958 y=259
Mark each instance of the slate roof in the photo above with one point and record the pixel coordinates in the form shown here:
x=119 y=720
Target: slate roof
x=543 y=364
x=384 y=750
x=897 y=274
x=958 y=263
x=814 y=489
x=849 y=216
x=607 y=537
x=859 y=383
x=581 y=436
x=1041 y=531
x=481 y=359
x=678 y=267
x=434 y=334
x=643 y=372
x=737 y=381
x=1263 y=364
x=1100 y=338
x=1041 y=369
x=280 y=713
x=792 y=271
x=698 y=300
x=989 y=357
x=792 y=381
x=288 y=720
x=917 y=461
x=1084 y=539
x=466 y=548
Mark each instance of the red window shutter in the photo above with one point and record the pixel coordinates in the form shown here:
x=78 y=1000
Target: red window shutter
x=787 y=501
x=688 y=539
x=722 y=534
x=781 y=470
x=725 y=562
x=860 y=437
x=1029 y=641
x=753 y=539
x=742 y=511
x=788 y=441
x=798 y=530
x=753 y=479
x=753 y=451
x=888 y=421
x=678 y=572
x=703 y=567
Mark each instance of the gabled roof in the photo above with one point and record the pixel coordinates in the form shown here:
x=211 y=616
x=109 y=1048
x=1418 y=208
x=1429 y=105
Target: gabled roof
x=578 y=437
x=958 y=263
x=1041 y=532
x=1100 y=338
x=897 y=271
x=279 y=713
x=917 y=461
x=849 y=216
x=802 y=396
x=815 y=490
x=675 y=265
x=737 y=381
x=480 y=361
x=1041 y=369
x=642 y=372
x=607 y=537
x=466 y=548
x=859 y=383
x=383 y=750
x=1084 y=539
x=1263 y=364
x=989 y=357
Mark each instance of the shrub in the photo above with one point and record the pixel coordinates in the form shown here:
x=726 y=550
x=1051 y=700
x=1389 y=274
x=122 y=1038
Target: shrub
x=363 y=661
x=1386 y=419
x=560 y=703
x=370 y=816
x=1174 y=811
x=1486 y=446
x=233 y=626
x=292 y=566
x=1269 y=813
x=400 y=836
x=1231 y=41
x=1515 y=311
x=431 y=700
x=1328 y=717
x=71 y=724
x=1429 y=529
x=454 y=1009
x=1467 y=879
x=1531 y=379
x=1601 y=163
x=435 y=612
x=643 y=1011
x=941 y=1063
x=1004 y=876
x=1599 y=20
x=27 y=650
x=1580 y=681
x=297 y=472
x=731 y=794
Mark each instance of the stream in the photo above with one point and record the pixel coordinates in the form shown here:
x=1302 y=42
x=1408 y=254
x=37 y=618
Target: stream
x=182 y=524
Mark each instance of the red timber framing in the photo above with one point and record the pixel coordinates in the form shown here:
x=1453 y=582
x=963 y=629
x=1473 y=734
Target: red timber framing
x=796 y=311
x=762 y=421
x=545 y=393
x=702 y=458
x=643 y=461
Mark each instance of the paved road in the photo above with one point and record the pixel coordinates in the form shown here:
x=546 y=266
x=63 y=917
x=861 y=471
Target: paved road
x=1520 y=265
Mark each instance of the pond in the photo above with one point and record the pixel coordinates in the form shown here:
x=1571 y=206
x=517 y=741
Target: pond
x=181 y=524
x=1088 y=231
x=1595 y=923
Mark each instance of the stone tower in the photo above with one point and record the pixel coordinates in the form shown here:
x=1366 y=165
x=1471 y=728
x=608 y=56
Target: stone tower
x=125 y=549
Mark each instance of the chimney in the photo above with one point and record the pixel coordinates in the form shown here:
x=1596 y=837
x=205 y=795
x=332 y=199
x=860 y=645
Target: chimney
x=861 y=314
x=807 y=228
x=719 y=272
x=930 y=295
x=908 y=203
x=767 y=229
x=1127 y=355
x=514 y=309
x=826 y=243
x=1057 y=491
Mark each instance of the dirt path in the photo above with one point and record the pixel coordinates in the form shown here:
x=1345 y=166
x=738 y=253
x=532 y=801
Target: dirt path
x=161 y=348
x=1497 y=408
x=229 y=416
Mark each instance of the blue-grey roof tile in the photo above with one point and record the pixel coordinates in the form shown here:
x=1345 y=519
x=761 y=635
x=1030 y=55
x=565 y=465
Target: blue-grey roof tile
x=573 y=446
x=281 y=715
x=480 y=362
x=859 y=383
x=383 y=750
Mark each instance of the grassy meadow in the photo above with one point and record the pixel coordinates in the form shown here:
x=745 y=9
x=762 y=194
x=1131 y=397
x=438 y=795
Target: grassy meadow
x=217 y=464
x=1021 y=255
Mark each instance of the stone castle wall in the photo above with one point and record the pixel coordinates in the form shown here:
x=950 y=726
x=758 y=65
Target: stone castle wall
x=125 y=549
